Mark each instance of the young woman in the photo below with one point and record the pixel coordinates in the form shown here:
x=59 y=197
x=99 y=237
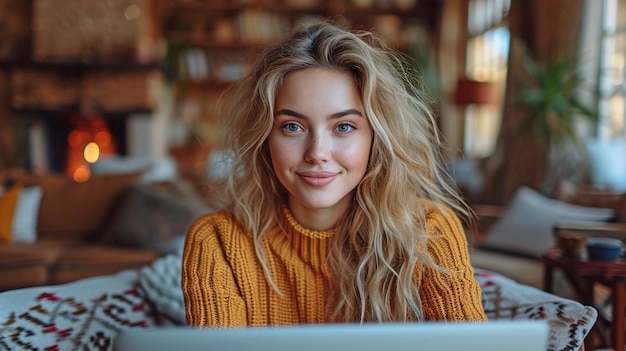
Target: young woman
x=337 y=208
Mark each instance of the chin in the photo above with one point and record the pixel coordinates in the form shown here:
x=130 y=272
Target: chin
x=323 y=204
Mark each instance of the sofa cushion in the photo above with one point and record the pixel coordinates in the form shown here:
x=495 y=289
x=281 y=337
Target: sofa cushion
x=57 y=261
x=71 y=210
x=92 y=260
x=23 y=265
x=23 y=274
x=77 y=211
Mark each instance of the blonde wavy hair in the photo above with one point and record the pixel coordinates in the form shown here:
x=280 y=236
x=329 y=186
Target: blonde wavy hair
x=376 y=248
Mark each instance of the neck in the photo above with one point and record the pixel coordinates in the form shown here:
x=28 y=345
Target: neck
x=318 y=219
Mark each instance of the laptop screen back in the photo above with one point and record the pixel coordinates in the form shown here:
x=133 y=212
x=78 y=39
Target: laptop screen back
x=431 y=336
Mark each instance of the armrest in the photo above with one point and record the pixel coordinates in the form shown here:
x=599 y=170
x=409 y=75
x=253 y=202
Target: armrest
x=488 y=211
x=594 y=229
x=486 y=216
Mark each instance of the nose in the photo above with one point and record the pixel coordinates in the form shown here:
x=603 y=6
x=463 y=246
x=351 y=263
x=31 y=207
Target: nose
x=318 y=150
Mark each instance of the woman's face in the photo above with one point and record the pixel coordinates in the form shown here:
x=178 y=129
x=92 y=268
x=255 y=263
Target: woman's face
x=319 y=144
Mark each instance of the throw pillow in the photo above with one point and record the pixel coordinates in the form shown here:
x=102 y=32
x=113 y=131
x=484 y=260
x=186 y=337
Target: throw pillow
x=504 y=299
x=150 y=215
x=26 y=213
x=8 y=203
x=607 y=163
x=160 y=282
x=527 y=224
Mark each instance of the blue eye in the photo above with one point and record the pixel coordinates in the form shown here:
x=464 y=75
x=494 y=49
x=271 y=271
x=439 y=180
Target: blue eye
x=345 y=128
x=291 y=127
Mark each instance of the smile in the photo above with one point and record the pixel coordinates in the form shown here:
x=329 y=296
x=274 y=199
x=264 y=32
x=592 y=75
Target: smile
x=317 y=179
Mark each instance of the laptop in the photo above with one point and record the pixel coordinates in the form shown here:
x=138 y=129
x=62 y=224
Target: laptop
x=429 y=336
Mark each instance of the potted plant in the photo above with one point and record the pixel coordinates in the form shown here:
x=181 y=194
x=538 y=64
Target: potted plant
x=551 y=95
x=426 y=71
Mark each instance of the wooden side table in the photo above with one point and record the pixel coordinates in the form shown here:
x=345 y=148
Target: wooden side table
x=582 y=274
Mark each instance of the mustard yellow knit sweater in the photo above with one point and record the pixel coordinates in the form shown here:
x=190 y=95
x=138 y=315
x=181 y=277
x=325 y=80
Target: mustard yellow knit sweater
x=224 y=285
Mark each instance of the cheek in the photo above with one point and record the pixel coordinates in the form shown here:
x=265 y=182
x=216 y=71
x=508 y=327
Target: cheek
x=357 y=155
x=279 y=154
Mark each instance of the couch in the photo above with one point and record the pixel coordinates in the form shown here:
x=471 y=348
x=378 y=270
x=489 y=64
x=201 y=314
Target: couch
x=88 y=314
x=54 y=230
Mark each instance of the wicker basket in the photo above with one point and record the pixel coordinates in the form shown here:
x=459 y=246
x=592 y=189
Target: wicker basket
x=14 y=29
x=121 y=91
x=36 y=89
x=91 y=31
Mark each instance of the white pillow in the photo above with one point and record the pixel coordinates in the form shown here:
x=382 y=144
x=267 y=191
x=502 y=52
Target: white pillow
x=161 y=282
x=527 y=224
x=152 y=169
x=607 y=163
x=25 y=216
x=120 y=165
x=24 y=226
x=163 y=169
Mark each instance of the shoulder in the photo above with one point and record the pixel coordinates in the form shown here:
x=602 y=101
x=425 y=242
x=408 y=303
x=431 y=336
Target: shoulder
x=213 y=226
x=433 y=210
x=446 y=240
x=439 y=218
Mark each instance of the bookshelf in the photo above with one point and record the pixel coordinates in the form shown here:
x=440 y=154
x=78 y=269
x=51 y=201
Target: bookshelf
x=210 y=43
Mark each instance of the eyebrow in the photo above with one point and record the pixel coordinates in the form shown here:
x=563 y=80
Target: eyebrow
x=351 y=111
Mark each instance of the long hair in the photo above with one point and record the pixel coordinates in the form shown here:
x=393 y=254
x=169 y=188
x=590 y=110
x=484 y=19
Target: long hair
x=377 y=246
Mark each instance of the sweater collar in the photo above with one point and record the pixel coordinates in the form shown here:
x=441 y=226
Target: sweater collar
x=315 y=234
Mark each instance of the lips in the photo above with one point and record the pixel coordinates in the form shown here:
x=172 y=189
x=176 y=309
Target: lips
x=317 y=179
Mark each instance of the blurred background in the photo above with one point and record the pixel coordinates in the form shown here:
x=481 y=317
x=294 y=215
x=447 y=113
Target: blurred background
x=526 y=92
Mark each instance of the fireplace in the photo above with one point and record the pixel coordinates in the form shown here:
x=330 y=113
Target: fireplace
x=67 y=143
x=88 y=140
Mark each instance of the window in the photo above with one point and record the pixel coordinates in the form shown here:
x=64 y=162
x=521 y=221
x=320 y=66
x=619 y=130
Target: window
x=612 y=83
x=486 y=65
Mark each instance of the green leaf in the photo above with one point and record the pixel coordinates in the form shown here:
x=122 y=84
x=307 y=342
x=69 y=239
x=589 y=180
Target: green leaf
x=551 y=97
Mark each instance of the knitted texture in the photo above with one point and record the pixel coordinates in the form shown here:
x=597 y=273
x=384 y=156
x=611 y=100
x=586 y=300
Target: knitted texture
x=224 y=284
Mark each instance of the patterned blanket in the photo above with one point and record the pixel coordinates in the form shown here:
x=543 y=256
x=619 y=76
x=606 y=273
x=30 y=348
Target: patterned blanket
x=88 y=314
x=85 y=315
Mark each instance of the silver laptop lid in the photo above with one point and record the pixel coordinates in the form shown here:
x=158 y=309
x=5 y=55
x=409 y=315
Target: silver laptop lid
x=431 y=336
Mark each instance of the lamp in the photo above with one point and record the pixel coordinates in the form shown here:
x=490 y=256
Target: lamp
x=471 y=92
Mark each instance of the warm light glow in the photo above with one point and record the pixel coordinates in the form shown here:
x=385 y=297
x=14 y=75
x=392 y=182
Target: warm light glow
x=74 y=138
x=87 y=142
x=82 y=174
x=102 y=138
x=91 y=152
